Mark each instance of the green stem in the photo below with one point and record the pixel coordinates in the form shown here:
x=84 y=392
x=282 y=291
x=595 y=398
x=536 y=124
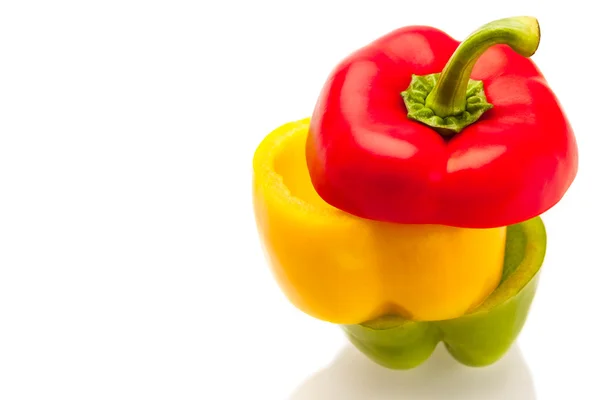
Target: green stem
x=449 y=95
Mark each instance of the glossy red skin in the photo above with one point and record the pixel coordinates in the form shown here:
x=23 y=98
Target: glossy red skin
x=367 y=158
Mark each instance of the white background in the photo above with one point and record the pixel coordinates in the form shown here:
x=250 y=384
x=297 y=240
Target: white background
x=129 y=263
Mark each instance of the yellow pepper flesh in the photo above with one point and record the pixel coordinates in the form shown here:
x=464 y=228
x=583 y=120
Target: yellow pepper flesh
x=347 y=270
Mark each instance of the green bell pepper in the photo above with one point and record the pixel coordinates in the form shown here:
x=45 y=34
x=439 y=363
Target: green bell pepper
x=478 y=338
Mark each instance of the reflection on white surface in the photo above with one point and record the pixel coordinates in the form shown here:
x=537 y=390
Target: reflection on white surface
x=352 y=376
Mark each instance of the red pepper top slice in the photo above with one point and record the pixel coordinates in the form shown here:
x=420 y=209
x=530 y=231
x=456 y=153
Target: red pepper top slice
x=366 y=157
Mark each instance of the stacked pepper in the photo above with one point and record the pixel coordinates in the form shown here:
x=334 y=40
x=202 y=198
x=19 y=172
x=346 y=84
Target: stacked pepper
x=406 y=209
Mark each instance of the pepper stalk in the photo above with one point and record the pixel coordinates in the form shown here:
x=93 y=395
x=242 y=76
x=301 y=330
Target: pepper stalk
x=450 y=101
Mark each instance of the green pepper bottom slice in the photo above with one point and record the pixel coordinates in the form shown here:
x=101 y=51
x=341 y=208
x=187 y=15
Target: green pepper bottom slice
x=478 y=338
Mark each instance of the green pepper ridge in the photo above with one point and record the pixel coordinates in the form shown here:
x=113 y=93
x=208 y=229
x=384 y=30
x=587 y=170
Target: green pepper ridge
x=476 y=339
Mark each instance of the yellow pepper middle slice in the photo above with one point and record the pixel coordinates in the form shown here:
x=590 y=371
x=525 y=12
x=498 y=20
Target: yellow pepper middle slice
x=348 y=270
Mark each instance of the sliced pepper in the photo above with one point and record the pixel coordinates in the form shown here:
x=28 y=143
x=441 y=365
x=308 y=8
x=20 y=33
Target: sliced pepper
x=345 y=269
x=478 y=338
x=484 y=152
x=407 y=208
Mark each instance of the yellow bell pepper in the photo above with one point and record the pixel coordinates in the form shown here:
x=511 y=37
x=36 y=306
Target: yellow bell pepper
x=347 y=270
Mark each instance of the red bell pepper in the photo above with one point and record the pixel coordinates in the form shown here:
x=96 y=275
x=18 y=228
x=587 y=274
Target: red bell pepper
x=401 y=134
